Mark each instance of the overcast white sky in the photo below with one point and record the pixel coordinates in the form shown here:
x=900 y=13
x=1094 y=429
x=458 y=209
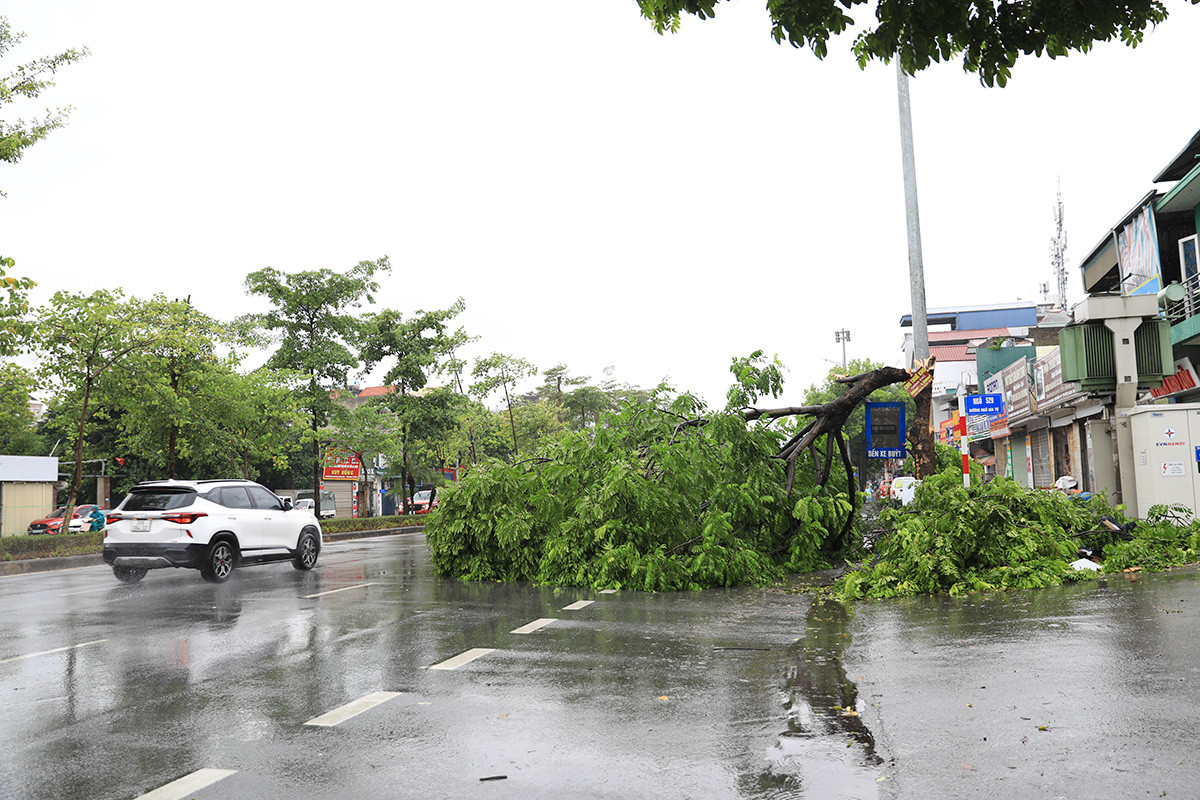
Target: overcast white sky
x=598 y=194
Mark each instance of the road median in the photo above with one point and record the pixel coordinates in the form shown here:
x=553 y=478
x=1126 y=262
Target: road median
x=22 y=565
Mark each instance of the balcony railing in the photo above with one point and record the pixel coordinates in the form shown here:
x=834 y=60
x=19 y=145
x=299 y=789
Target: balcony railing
x=1189 y=306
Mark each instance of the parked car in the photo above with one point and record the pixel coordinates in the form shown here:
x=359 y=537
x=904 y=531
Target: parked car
x=420 y=502
x=52 y=522
x=213 y=526
x=328 y=502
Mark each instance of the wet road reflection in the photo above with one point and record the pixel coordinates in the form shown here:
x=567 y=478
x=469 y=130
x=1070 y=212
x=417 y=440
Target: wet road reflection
x=1087 y=690
x=724 y=694
x=689 y=695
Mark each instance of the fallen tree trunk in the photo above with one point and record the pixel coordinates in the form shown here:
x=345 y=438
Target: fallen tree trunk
x=828 y=421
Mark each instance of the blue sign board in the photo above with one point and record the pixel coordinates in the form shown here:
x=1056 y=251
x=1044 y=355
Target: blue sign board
x=885 y=430
x=983 y=404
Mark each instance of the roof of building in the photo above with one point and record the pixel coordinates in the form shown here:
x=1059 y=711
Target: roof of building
x=993 y=312
x=1181 y=164
x=376 y=391
x=950 y=352
x=972 y=335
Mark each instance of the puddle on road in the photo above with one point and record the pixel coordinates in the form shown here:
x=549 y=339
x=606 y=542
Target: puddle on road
x=825 y=749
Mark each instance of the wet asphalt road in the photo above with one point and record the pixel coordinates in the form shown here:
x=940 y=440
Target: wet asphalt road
x=1083 y=691
x=722 y=694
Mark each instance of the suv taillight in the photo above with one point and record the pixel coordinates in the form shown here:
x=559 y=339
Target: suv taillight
x=111 y=518
x=185 y=519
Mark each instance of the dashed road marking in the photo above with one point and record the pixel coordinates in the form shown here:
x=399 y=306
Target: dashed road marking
x=536 y=625
x=463 y=658
x=185 y=786
x=608 y=591
x=48 y=652
x=335 y=591
x=351 y=709
x=578 y=604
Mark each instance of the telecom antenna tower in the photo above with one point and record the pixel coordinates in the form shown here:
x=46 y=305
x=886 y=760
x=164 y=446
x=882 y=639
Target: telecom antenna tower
x=1058 y=248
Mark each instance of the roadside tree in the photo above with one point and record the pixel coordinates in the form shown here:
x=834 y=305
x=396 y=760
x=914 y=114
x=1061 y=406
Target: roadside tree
x=167 y=398
x=86 y=344
x=18 y=435
x=312 y=322
x=988 y=37
x=504 y=372
x=417 y=348
x=27 y=82
x=15 y=325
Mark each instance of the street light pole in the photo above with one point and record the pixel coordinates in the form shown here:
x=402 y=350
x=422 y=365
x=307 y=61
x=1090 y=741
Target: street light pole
x=923 y=424
x=916 y=264
x=842 y=336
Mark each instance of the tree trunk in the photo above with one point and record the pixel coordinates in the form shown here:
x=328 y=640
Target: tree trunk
x=173 y=436
x=512 y=421
x=316 y=471
x=828 y=419
x=77 y=474
x=921 y=434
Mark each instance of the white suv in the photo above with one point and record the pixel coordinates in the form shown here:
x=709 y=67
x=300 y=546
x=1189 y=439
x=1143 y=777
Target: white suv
x=212 y=526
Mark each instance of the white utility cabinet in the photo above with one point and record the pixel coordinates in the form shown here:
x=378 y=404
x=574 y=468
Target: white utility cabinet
x=1166 y=455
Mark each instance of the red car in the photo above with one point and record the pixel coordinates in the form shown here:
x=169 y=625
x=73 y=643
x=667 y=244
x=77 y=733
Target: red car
x=52 y=522
x=420 y=502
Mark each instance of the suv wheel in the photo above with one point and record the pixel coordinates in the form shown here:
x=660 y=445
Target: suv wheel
x=129 y=574
x=306 y=552
x=218 y=562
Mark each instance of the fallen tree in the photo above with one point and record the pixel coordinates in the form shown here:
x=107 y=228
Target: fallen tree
x=666 y=496
x=999 y=536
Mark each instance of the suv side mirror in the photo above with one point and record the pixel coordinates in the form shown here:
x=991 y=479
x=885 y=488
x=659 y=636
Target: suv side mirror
x=287 y=504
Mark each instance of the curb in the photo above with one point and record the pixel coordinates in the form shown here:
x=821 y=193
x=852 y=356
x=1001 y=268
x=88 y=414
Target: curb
x=344 y=535
x=22 y=566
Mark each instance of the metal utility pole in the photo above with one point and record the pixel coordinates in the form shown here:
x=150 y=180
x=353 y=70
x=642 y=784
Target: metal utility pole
x=916 y=265
x=916 y=279
x=842 y=336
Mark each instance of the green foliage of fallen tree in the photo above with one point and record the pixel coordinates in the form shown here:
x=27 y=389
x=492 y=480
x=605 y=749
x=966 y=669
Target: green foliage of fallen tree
x=655 y=498
x=1001 y=536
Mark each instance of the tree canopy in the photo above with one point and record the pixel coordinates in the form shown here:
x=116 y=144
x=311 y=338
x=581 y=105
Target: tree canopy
x=28 y=81
x=987 y=36
x=312 y=320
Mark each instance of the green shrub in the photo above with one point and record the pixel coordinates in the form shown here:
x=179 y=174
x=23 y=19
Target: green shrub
x=372 y=523
x=13 y=548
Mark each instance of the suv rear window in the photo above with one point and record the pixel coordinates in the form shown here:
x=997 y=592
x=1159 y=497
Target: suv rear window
x=158 y=499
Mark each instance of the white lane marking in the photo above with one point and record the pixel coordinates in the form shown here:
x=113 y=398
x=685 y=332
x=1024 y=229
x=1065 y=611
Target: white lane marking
x=536 y=625
x=55 y=650
x=463 y=658
x=351 y=709
x=335 y=591
x=578 y=604
x=608 y=591
x=179 y=789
